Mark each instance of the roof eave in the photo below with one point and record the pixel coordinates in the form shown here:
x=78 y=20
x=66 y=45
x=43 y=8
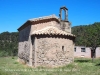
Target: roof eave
x=24 y=25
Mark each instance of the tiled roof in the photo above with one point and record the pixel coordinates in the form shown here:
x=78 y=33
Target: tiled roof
x=44 y=17
x=51 y=30
x=39 y=20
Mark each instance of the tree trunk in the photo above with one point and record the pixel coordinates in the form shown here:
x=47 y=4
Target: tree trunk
x=93 y=58
x=93 y=52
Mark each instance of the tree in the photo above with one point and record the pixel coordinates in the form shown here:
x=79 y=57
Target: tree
x=8 y=43
x=94 y=38
x=88 y=35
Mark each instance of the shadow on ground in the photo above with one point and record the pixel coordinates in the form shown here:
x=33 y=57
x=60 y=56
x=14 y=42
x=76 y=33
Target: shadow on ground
x=82 y=61
x=97 y=64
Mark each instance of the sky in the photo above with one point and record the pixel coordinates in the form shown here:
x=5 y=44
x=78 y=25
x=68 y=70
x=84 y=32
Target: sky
x=14 y=13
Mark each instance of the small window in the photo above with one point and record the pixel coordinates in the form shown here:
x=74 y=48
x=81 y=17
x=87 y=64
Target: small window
x=83 y=50
x=74 y=49
x=62 y=48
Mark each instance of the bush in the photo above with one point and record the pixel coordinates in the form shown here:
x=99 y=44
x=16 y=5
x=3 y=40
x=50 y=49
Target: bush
x=4 y=54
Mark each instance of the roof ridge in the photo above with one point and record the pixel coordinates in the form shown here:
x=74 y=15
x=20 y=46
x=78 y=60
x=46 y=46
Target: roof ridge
x=44 y=17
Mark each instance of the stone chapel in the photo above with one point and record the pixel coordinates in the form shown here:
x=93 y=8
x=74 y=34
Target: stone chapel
x=46 y=41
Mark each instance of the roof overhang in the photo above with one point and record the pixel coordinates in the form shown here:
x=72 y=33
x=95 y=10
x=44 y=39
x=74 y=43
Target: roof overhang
x=51 y=30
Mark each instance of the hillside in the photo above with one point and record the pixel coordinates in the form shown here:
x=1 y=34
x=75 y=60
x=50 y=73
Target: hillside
x=8 y=43
x=87 y=35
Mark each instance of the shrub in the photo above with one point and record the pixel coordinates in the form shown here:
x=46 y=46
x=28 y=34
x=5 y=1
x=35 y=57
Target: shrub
x=4 y=54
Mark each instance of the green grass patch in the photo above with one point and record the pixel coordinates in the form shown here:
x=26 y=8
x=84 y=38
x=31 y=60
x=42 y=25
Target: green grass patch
x=10 y=66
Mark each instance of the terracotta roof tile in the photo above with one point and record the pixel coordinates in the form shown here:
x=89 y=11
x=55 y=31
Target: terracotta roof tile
x=51 y=30
x=44 y=17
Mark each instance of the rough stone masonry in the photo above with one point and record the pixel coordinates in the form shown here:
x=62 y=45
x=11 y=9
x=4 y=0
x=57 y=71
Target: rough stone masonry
x=46 y=41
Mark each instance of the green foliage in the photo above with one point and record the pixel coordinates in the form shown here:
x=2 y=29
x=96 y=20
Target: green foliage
x=8 y=44
x=87 y=35
x=3 y=53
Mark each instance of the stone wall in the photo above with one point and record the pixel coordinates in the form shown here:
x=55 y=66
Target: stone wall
x=43 y=25
x=66 y=26
x=24 y=44
x=54 y=52
x=33 y=51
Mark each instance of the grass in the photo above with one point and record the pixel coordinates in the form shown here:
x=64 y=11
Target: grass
x=10 y=66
